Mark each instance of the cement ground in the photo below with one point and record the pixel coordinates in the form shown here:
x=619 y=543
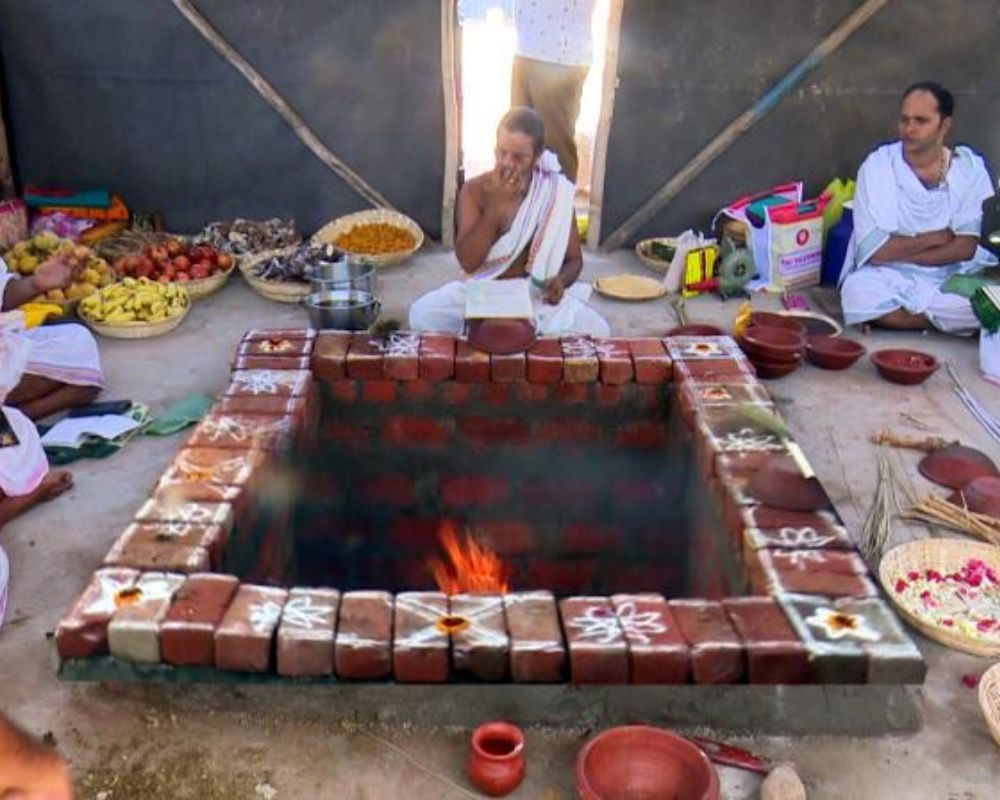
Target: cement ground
x=160 y=741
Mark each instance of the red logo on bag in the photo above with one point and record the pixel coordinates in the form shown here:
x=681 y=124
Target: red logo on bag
x=802 y=237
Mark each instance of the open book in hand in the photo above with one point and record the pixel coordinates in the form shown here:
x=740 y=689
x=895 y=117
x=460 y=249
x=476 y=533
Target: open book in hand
x=509 y=299
x=72 y=432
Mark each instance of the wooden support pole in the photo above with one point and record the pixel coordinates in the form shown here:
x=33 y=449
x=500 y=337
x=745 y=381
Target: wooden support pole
x=449 y=19
x=7 y=188
x=732 y=132
x=278 y=103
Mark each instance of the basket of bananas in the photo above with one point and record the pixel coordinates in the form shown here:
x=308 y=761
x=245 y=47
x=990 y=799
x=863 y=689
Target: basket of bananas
x=135 y=308
x=90 y=272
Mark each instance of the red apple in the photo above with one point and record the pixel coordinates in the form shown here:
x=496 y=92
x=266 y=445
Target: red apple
x=174 y=247
x=182 y=263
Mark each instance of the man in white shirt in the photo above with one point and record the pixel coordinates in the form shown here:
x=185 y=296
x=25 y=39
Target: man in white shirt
x=553 y=57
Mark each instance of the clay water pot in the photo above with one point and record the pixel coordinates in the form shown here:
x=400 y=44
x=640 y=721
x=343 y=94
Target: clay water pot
x=636 y=761
x=833 y=352
x=980 y=495
x=955 y=465
x=496 y=759
x=908 y=367
x=694 y=329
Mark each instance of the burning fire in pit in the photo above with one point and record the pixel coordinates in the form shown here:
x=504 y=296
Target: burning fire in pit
x=470 y=568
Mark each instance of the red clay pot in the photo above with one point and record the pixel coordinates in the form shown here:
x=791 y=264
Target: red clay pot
x=496 y=760
x=771 y=370
x=908 y=367
x=501 y=336
x=694 y=329
x=641 y=761
x=833 y=352
x=980 y=495
x=771 y=319
x=772 y=344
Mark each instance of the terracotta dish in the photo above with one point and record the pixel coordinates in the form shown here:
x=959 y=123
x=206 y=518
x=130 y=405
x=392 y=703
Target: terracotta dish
x=694 y=329
x=501 y=336
x=908 y=367
x=772 y=370
x=955 y=465
x=640 y=761
x=774 y=320
x=829 y=352
x=772 y=343
x=779 y=483
x=980 y=495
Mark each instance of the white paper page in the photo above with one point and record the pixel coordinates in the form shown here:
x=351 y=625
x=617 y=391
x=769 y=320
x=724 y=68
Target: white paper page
x=70 y=432
x=509 y=299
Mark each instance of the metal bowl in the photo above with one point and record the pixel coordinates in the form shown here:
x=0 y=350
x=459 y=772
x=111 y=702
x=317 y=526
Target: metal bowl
x=342 y=309
x=341 y=273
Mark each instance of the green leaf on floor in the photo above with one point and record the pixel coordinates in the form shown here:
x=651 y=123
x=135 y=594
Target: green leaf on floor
x=180 y=415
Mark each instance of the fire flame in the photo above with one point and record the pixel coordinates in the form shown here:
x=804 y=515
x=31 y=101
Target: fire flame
x=471 y=568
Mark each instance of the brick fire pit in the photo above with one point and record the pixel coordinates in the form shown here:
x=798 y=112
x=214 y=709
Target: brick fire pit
x=295 y=534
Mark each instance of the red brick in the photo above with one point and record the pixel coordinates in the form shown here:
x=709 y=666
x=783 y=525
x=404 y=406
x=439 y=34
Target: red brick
x=586 y=537
x=187 y=635
x=400 y=358
x=482 y=648
x=713 y=370
x=508 y=368
x=580 y=364
x=491 y=431
x=415 y=432
x=774 y=653
x=245 y=637
x=419 y=391
x=83 y=632
x=458 y=394
x=652 y=364
x=609 y=395
x=394 y=490
x=471 y=365
x=496 y=394
x=264 y=382
x=362 y=648
x=414 y=533
x=283 y=346
x=345 y=391
x=536 y=392
x=598 y=653
x=134 y=629
x=473 y=490
x=260 y=334
x=657 y=651
x=545 y=361
x=211 y=538
x=567 y=431
x=265 y=404
x=561 y=577
x=420 y=647
x=574 y=493
x=364 y=357
x=379 y=391
x=717 y=654
x=537 y=651
x=225 y=467
x=636 y=491
x=329 y=360
x=437 y=357
x=160 y=556
x=347 y=433
x=615 y=360
x=272 y=362
x=646 y=435
x=573 y=394
x=506 y=538
x=306 y=633
x=158 y=510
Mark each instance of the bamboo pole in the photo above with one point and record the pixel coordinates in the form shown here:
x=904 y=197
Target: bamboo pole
x=7 y=188
x=278 y=103
x=449 y=17
x=609 y=82
x=735 y=130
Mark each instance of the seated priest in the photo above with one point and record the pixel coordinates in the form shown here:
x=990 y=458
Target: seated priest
x=518 y=223
x=63 y=368
x=917 y=218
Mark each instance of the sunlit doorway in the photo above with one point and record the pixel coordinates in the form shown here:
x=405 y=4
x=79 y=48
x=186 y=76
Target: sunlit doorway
x=488 y=45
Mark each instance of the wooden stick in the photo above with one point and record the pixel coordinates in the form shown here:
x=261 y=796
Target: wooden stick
x=732 y=132
x=278 y=103
x=452 y=135
x=7 y=187
x=927 y=444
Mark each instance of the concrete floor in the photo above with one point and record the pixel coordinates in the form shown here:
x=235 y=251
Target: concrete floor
x=161 y=741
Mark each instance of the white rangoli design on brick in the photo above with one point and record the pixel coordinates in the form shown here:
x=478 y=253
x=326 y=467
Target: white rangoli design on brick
x=598 y=625
x=304 y=613
x=581 y=347
x=428 y=613
x=263 y=615
x=747 y=440
x=226 y=468
x=264 y=381
x=398 y=344
x=638 y=625
x=807 y=537
x=219 y=428
x=799 y=559
x=107 y=601
x=275 y=346
x=837 y=625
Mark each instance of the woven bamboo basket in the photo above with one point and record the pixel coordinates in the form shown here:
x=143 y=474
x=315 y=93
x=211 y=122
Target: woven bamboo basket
x=989 y=699
x=643 y=254
x=280 y=291
x=129 y=242
x=136 y=330
x=203 y=287
x=328 y=233
x=945 y=556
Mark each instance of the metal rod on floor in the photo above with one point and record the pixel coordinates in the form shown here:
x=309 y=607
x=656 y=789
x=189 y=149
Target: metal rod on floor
x=732 y=133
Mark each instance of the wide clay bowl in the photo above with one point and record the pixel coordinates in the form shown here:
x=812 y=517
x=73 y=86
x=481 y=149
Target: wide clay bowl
x=779 y=483
x=695 y=329
x=833 y=352
x=772 y=343
x=980 y=495
x=908 y=367
x=771 y=370
x=771 y=319
x=756 y=353
x=638 y=761
x=954 y=466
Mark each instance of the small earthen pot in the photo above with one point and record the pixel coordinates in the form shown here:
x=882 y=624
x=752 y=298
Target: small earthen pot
x=496 y=760
x=908 y=367
x=830 y=352
x=773 y=319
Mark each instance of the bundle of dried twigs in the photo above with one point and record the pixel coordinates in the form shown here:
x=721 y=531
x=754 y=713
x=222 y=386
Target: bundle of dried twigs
x=938 y=511
x=877 y=531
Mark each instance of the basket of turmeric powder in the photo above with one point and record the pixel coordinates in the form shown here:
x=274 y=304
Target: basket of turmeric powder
x=380 y=237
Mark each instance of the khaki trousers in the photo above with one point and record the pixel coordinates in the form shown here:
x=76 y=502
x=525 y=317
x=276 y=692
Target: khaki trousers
x=554 y=91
